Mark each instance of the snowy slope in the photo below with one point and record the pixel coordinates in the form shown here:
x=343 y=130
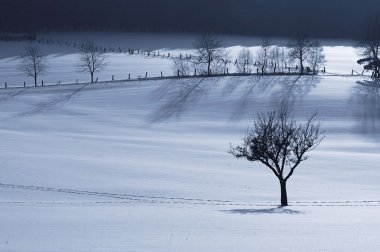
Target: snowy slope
x=143 y=166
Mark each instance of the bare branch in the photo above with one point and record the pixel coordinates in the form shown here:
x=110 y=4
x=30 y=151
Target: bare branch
x=244 y=62
x=210 y=52
x=279 y=142
x=369 y=47
x=299 y=50
x=33 y=63
x=92 y=59
x=263 y=55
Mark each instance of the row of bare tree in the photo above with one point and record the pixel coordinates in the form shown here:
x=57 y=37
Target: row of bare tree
x=212 y=58
x=91 y=60
x=301 y=55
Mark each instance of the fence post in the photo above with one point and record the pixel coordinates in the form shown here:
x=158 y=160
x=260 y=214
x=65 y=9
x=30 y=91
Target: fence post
x=146 y=75
x=195 y=72
x=113 y=77
x=42 y=82
x=24 y=84
x=227 y=71
x=6 y=85
x=177 y=73
x=161 y=74
x=352 y=73
x=324 y=70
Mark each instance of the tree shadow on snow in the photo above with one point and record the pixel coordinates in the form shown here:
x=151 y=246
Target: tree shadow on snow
x=175 y=97
x=250 y=92
x=276 y=210
x=294 y=90
x=365 y=107
x=273 y=90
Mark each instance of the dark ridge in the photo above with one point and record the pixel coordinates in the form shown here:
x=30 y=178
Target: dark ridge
x=317 y=18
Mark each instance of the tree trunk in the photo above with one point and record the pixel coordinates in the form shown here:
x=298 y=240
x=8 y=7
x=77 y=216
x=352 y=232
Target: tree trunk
x=35 y=81
x=301 y=61
x=209 y=68
x=284 y=195
x=92 y=77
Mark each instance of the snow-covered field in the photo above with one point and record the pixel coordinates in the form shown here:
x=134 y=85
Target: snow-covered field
x=143 y=166
x=63 y=59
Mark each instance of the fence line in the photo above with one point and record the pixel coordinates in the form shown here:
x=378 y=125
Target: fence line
x=153 y=54
x=177 y=76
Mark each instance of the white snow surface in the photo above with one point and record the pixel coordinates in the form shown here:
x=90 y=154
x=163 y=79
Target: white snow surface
x=143 y=166
x=63 y=59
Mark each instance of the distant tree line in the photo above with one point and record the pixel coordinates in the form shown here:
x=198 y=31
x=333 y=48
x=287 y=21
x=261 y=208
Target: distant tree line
x=317 y=18
x=210 y=58
x=301 y=55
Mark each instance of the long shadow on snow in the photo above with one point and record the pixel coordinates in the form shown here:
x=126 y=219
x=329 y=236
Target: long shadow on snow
x=276 y=210
x=272 y=91
x=61 y=99
x=177 y=96
x=9 y=96
x=294 y=90
x=247 y=98
x=365 y=108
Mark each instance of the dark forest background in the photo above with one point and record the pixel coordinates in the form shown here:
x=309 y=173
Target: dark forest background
x=321 y=18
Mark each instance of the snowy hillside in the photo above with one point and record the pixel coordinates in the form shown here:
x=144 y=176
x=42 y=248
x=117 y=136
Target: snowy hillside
x=143 y=166
x=63 y=56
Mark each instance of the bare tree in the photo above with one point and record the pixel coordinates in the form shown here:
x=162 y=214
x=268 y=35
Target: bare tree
x=280 y=143
x=209 y=50
x=263 y=54
x=92 y=59
x=244 y=61
x=369 y=49
x=278 y=59
x=222 y=64
x=33 y=63
x=281 y=55
x=299 y=50
x=182 y=67
x=316 y=57
x=274 y=58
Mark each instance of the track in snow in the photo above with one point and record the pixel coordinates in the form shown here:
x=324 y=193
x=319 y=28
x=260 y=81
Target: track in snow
x=130 y=198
